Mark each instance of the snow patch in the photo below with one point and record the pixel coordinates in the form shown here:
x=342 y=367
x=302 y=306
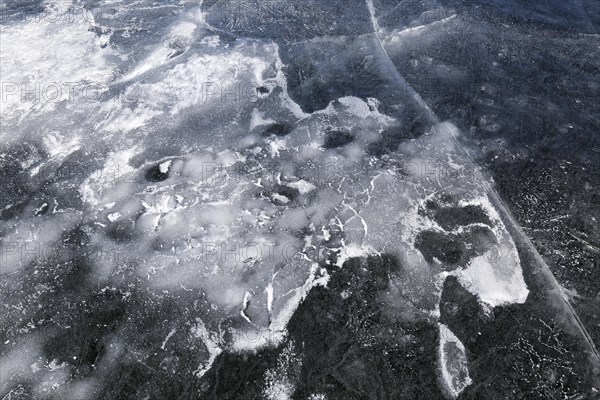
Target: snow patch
x=212 y=343
x=453 y=362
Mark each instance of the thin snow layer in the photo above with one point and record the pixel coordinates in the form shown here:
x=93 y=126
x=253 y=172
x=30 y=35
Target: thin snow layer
x=496 y=277
x=454 y=372
x=229 y=76
x=280 y=381
x=434 y=170
x=65 y=63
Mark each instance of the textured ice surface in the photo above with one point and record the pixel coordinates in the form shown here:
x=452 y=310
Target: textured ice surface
x=199 y=182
